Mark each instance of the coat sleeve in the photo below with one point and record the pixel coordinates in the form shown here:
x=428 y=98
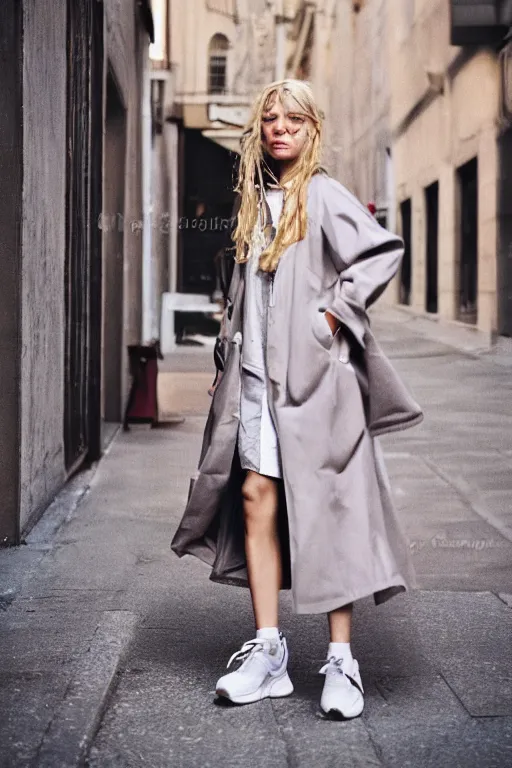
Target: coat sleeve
x=365 y=255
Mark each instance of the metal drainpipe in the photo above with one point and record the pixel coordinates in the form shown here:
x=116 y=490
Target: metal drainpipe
x=148 y=320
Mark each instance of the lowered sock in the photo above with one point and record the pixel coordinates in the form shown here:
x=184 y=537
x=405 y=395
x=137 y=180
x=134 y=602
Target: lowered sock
x=341 y=651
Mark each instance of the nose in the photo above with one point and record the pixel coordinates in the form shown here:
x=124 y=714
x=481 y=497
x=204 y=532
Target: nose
x=279 y=126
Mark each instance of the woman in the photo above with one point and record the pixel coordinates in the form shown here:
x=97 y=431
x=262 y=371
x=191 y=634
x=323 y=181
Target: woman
x=291 y=491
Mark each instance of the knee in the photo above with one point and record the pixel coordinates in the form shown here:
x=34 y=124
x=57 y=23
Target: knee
x=260 y=503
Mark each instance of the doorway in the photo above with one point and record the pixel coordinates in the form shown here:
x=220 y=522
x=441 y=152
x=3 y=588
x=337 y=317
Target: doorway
x=468 y=254
x=432 y=206
x=406 y=270
x=505 y=235
x=207 y=205
x=83 y=205
x=113 y=253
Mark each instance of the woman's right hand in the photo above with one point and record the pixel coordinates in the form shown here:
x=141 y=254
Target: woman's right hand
x=215 y=384
x=334 y=323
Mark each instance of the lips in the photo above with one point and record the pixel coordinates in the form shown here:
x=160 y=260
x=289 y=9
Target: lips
x=279 y=145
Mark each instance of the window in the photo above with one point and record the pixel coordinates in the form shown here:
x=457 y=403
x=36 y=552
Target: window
x=217 y=58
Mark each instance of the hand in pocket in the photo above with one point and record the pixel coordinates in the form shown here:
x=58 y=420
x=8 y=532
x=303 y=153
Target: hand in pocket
x=333 y=322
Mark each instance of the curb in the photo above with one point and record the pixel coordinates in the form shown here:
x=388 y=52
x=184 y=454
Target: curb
x=77 y=719
x=454 y=335
x=20 y=563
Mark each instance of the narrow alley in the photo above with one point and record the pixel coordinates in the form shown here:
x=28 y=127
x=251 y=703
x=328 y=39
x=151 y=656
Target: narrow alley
x=108 y=628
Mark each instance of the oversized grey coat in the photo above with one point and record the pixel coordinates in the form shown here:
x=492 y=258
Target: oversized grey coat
x=329 y=396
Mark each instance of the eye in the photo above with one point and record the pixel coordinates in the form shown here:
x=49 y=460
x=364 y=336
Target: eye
x=297 y=118
x=268 y=119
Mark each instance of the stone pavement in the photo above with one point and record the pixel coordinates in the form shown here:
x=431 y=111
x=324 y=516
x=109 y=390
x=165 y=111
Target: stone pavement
x=110 y=645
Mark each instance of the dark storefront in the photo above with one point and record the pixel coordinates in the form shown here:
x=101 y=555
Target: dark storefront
x=207 y=207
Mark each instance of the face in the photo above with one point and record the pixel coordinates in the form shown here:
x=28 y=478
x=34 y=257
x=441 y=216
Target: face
x=284 y=130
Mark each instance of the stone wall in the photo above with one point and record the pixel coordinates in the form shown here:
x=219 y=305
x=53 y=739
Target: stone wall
x=42 y=214
x=43 y=254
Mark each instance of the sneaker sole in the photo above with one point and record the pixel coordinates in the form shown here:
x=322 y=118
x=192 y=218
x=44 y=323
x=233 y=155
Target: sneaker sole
x=337 y=714
x=274 y=688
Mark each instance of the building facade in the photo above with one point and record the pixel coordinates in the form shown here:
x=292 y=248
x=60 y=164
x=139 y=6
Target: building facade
x=417 y=97
x=418 y=124
x=207 y=66
x=444 y=116
x=355 y=96
x=70 y=134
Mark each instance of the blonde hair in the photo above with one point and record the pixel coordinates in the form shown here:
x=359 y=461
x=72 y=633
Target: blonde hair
x=293 y=221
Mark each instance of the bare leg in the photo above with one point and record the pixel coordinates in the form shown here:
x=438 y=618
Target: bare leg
x=264 y=566
x=340 y=623
x=343 y=689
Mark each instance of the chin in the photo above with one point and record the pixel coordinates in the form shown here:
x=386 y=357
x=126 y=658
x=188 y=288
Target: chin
x=284 y=155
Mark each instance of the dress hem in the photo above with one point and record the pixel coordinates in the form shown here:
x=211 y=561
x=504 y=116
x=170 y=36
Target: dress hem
x=381 y=593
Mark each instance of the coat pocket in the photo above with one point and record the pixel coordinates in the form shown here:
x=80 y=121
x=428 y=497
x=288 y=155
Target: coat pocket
x=391 y=407
x=337 y=343
x=321 y=329
x=191 y=486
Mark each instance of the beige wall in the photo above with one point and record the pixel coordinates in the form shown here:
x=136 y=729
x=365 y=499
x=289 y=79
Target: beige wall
x=388 y=77
x=356 y=98
x=350 y=80
x=449 y=129
x=191 y=28
x=251 y=56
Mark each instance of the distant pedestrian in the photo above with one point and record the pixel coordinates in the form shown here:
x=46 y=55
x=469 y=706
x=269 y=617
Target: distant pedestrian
x=291 y=490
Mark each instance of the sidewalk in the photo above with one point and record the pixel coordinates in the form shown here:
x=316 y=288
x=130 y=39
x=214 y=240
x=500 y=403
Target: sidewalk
x=104 y=627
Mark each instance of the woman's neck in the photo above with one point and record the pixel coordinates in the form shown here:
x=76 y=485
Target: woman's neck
x=286 y=169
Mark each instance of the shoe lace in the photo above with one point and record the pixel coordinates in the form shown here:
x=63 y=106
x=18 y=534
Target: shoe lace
x=248 y=650
x=336 y=665
x=333 y=663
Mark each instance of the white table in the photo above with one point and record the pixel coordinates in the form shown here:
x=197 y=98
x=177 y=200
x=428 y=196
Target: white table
x=181 y=302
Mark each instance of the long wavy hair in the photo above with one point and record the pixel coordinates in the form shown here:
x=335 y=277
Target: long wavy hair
x=257 y=168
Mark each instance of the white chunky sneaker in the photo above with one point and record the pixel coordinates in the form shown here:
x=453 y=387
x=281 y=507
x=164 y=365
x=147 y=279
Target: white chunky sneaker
x=342 y=695
x=262 y=672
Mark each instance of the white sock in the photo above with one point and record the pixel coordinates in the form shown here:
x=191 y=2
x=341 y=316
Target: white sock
x=340 y=651
x=272 y=634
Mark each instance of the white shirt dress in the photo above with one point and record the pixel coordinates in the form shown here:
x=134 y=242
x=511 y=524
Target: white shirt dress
x=258 y=445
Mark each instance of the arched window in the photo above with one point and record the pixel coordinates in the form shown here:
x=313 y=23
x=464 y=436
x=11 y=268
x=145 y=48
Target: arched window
x=217 y=62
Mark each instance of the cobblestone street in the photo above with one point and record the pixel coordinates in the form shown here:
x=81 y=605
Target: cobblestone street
x=104 y=626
